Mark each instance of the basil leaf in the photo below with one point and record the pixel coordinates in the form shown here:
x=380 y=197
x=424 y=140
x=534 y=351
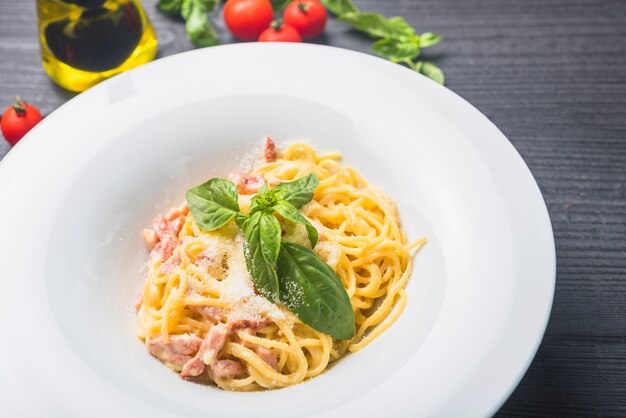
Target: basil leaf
x=373 y=24
x=298 y=192
x=199 y=30
x=186 y=7
x=262 y=233
x=240 y=218
x=397 y=28
x=312 y=290
x=278 y=5
x=264 y=199
x=397 y=51
x=340 y=7
x=213 y=204
x=258 y=203
x=431 y=71
x=210 y=4
x=378 y=26
x=429 y=39
x=170 y=7
x=263 y=190
x=289 y=212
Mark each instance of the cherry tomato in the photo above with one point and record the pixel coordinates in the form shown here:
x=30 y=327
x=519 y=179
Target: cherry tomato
x=18 y=119
x=279 y=32
x=246 y=19
x=307 y=16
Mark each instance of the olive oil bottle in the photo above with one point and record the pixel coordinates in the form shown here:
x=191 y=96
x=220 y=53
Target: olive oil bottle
x=86 y=41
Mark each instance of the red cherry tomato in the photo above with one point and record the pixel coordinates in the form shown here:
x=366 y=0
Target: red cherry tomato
x=279 y=32
x=307 y=16
x=246 y=19
x=18 y=119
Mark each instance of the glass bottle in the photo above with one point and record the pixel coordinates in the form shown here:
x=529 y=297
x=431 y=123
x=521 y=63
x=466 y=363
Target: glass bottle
x=86 y=41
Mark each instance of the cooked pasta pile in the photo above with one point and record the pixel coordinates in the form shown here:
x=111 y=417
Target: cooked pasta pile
x=199 y=312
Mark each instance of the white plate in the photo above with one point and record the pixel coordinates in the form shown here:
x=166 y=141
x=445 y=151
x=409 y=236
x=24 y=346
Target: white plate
x=77 y=191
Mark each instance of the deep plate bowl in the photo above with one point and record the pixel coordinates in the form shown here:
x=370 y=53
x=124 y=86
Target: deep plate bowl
x=78 y=190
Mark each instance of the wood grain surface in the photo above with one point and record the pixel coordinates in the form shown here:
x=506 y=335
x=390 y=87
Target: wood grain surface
x=551 y=74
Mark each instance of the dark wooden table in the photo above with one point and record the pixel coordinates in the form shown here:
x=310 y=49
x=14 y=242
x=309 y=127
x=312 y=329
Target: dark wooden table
x=551 y=74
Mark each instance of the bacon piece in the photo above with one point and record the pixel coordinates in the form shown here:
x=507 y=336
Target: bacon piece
x=269 y=151
x=175 y=353
x=177 y=211
x=227 y=369
x=171 y=263
x=267 y=355
x=167 y=238
x=162 y=227
x=247 y=323
x=214 y=342
x=164 y=230
x=207 y=354
x=177 y=224
x=193 y=367
x=176 y=217
x=246 y=184
x=212 y=313
x=177 y=344
x=150 y=238
x=138 y=303
x=164 y=249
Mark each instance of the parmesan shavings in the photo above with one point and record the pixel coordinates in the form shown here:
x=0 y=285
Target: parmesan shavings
x=237 y=289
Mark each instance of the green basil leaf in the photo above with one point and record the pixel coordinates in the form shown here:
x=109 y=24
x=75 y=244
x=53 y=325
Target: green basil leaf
x=373 y=24
x=312 y=290
x=170 y=7
x=298 y=192
x=395 y=50
x=397 y=28
x=431 y=71
x=199 y=30
x=289 y=212
x=210 y=4
x=258 y=203
x=429 y=39
x=263 y=200
x=213 y=204
x=278 y=5
x=262 y=233
x=340 y=7
x=263 y=190
x=240 y=219
x=186 y=8
x=378 y=26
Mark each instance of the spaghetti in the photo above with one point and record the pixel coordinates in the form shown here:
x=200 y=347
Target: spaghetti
x=199 y=312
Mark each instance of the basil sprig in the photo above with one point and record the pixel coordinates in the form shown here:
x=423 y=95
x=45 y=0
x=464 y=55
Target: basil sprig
x=199 y=29
x=398 y=40
x=281 y=271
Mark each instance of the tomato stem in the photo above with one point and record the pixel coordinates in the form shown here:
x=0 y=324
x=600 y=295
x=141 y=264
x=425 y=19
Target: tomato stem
x=304 y=8
x=277 y=24
x=20 y=106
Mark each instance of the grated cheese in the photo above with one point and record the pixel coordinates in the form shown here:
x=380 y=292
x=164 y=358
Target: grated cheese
x=237 y=288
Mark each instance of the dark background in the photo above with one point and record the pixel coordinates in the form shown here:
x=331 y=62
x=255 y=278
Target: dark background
x=551 y=74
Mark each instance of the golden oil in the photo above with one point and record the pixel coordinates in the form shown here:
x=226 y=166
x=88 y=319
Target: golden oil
x=86 y=41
